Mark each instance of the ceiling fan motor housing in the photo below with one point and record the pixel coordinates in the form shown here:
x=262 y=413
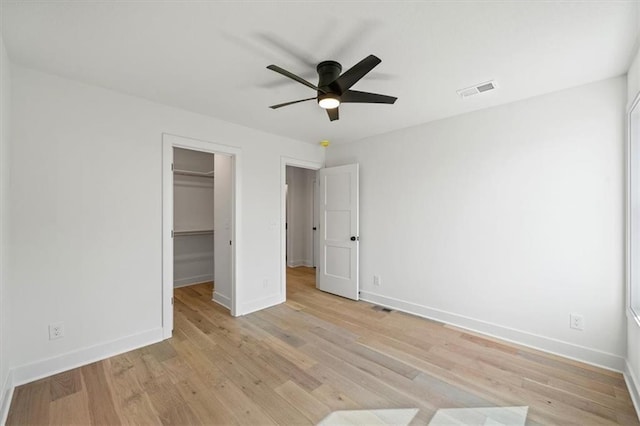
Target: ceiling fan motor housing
x=328 y=72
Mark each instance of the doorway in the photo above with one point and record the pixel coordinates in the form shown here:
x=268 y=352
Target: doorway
x=299 y=218
x=337 y=239
x=209 y=227
x=202 y=204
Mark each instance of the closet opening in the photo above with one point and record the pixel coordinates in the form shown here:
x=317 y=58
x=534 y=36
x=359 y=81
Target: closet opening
x=201 y=222
x=200 y=187
x=193 y=217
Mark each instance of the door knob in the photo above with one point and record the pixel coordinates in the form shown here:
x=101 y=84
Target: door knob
x=353 y=238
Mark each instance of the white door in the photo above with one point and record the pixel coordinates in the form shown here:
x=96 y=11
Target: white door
x=222 y=226
x=339 y=239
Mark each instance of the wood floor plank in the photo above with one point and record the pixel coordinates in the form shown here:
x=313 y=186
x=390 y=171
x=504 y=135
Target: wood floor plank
x=72 y=409
x=203 y=401
x=334 y=399
x=295 y=374
x=308 y=405
x=64 y=384
x=130 y=399
x=241 y=406
x=297 y=362
x=101 y=407
x=297 y=357
x=30 y=404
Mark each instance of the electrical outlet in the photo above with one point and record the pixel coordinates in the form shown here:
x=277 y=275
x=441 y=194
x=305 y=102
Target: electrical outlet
x=265 y=283
x=376 y=280
x=56 y=330
x=576 y=321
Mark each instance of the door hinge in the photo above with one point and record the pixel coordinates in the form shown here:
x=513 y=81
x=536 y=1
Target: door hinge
x=229 y=242
x=172 y=233
x=171 y=166
x=172 y=300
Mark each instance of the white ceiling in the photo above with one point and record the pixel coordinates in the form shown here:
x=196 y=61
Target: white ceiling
x=210 y=57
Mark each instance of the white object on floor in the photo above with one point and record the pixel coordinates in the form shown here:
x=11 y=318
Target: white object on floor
x=400 y=417
x=484 y=416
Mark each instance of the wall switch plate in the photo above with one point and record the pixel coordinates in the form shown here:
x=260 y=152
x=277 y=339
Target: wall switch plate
x=265 y=283
x=576 y=321
x=56 y=330
x=376 y=280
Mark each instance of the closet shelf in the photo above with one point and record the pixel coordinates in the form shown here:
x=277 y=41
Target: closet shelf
x=208 y=174
x=193 y=232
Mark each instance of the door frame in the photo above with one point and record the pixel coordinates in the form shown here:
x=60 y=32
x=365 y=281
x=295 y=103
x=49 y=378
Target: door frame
x=303 y=164
x=170 y=141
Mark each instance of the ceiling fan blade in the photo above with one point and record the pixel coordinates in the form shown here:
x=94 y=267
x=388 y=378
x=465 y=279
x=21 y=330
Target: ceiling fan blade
x=333 y=114
x=293 y=77
x=356 y=72
x=355 y=96
x=290 y=103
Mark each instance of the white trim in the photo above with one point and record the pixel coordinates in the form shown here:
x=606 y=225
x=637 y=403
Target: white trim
x=546 y=344
x=7 y=396
x=630 y=310
x=167 y=239
x=50 y=366
x=170 y=141
x=196 y=279
x=284 y=162
x=632 y=315
x=297 y=263
x=221 y=300
x=633 y=386
x=262 y=303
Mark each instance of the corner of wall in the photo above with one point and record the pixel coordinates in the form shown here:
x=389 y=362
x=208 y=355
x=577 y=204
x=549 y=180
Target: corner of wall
x=631 y=379
x=6 y=382
x=633 y=332
x=7 y=395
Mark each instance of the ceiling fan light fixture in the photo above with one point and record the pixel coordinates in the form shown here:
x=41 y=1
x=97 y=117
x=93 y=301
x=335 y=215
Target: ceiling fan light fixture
x=329 y=102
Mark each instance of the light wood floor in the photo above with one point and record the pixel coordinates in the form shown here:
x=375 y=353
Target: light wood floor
x=297 y=362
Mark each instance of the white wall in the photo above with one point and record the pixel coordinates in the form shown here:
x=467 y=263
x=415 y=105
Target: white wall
x=5 y=95
x=633 y=329
x=504 y=220
x=193 y=211
x=300 y=216
x=86 y=240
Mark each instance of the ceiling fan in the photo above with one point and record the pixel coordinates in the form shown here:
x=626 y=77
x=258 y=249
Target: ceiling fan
x=334 y=88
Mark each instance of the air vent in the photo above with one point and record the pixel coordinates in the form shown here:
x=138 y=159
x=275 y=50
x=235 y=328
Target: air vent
x=478 y=88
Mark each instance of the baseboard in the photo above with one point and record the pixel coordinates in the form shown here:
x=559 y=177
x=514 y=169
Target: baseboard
x=196 y=279
x=222 y=300
x=7 y=395
x=297 y=263
x=546 y=344
x=632 y=382
x=259 y=304
x=47 y=367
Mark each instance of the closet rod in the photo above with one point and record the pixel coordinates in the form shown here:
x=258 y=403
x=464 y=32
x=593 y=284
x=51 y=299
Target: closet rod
x=191 y=173
x=189 y=233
